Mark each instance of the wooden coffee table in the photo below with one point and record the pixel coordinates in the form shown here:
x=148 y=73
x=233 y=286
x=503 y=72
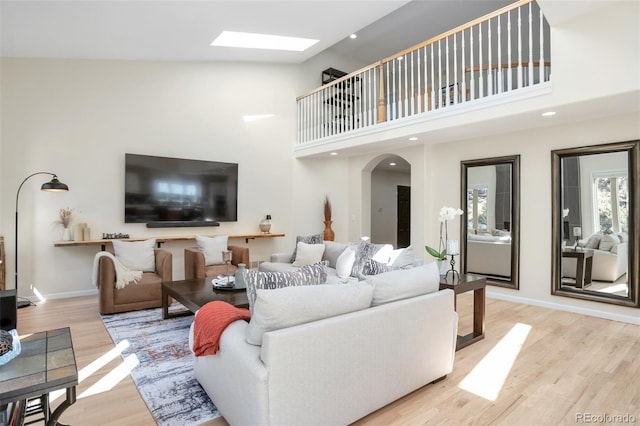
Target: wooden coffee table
x=195 y=293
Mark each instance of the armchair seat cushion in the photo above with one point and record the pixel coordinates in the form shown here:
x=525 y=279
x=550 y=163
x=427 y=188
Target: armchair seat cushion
x=195 y=264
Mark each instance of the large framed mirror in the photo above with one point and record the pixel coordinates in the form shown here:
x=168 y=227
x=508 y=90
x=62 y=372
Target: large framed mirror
x=595 y=210
x=491 y=222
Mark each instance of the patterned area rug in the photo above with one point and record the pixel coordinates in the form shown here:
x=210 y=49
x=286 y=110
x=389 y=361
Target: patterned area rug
x=164 y=375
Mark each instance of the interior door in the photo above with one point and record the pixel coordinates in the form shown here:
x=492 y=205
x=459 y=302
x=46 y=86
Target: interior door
x=403 y=238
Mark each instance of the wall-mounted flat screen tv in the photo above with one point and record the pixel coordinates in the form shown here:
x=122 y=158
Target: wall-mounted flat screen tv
x=163 y=191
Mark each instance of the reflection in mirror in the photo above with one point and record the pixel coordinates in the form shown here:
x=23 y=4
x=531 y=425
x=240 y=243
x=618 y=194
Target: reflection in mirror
x=491 y=201
x=595 y=212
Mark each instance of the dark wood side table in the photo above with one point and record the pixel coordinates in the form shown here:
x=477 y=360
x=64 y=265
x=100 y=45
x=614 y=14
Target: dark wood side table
x=584 y=264
x=477 y=284
x=46 y=363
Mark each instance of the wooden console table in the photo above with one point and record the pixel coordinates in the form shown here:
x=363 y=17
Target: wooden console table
x=477 y=284
x=160 y=240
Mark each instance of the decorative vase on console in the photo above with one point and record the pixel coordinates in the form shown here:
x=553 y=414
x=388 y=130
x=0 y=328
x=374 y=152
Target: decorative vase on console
x=265 y=224
x=329 y=235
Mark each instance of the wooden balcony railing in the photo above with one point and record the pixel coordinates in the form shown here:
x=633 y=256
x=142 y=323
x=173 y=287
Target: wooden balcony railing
x=503 y=51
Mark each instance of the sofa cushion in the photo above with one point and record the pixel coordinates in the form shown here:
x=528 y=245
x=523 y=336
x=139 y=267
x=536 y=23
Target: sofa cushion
x=366 y=251
x=310 y=239
x=212 y=248
x=307 y=254
x=136 y=255
x=344 y=264
x=305 y=275
x=401 y=258
x=332 y=251
x=286 y=307
x=404 y=283
x=608 y=241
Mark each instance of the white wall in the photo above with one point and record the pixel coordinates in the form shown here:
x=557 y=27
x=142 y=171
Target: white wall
x=535 y=219
x=384 y=205
x=79 y=118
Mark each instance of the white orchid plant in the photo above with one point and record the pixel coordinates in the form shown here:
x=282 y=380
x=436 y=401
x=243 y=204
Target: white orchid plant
x=446 y=214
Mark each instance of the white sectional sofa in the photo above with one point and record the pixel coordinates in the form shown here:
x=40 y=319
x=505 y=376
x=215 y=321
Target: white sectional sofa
x=335 y=370
x=607 y=265
x=489 y=255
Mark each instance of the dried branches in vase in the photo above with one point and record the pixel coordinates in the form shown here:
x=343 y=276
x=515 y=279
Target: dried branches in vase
x=66 y=216
x=329 y=235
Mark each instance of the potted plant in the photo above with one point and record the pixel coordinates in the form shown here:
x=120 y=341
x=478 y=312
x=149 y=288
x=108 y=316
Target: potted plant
x=446 y=214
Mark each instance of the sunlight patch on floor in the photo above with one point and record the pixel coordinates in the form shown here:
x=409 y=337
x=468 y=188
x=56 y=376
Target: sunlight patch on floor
x=614 y=288
x=111 y=379
x=488 y=376
x=94 y=366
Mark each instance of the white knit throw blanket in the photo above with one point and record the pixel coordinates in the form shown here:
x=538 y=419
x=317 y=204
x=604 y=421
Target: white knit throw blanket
x=124 y=275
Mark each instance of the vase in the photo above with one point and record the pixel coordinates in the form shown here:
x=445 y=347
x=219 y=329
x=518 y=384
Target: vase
x=329 y=235
x=443 y=266
x=265 y=224
x=66 y=234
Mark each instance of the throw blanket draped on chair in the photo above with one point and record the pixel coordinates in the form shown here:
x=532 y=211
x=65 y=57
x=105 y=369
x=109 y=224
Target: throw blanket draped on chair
x=124 y=275
x=211 y=320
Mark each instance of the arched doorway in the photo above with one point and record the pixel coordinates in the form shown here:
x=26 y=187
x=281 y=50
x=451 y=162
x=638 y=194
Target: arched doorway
x=391 y=201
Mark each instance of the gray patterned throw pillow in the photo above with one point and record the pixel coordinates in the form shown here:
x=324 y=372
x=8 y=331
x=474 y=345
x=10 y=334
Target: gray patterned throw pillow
x=365 y=252
x=373 y=267
x=310 y=239
x=307 y=275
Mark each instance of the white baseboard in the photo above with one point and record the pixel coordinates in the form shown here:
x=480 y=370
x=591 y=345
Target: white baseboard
x=66 y=295
x=568 y=308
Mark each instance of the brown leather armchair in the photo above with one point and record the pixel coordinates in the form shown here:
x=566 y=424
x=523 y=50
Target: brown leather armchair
x=145 y=294
x=194 y=266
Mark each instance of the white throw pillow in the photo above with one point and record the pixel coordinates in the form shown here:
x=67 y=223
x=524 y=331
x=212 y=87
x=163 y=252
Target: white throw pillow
x=404 y=283
x=607 y=241
x=136 y=255
x=307 y=254
x=344 y=264
x=289 y=306
x=212 y=248
x=401 y=258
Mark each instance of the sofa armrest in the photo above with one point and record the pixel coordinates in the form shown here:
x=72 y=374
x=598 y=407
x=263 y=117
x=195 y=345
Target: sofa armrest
x=235 y=377
x=164 y=264
x=240 y=254
x=193 y=263
x=106 y=283
x=281 y=257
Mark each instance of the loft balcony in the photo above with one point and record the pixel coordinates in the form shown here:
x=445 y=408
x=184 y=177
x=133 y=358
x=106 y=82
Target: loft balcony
x=496 y=58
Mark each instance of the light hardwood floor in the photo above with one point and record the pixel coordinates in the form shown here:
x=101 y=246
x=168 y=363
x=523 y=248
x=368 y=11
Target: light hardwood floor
x=564 y=365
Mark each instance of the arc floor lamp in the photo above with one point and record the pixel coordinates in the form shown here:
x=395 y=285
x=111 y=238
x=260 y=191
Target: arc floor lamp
x=54 y=185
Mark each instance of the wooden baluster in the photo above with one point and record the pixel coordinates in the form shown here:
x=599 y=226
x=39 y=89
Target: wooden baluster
x=541 y=66
x=464 y=76
x=519 y=49
x=480 y=72
x=413 y=93
x=405 y=84
x=489 y=61
x=440 y=73
x=510 y=75
x=472 y=78
x=530 y=45
x=456 y=81
x=418 y=96
x=382 y=109
x=499 y=46
x=446 y=71
x=431 y=92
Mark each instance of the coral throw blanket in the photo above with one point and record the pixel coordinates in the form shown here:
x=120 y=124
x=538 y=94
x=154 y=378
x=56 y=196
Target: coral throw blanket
x=210 y=322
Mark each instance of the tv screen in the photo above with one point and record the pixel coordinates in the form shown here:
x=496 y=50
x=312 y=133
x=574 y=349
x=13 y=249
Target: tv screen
x=179 y=191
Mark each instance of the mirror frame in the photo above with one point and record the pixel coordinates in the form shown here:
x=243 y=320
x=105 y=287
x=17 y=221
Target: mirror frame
x=514 y=161
x=633 y=149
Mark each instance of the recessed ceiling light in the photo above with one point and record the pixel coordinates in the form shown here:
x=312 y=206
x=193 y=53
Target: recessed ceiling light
x=548 y=114
x=392 y=164
x=256 y=117
x=262 y=41
x=413 y=138
x=333 y=153
x=352 y=36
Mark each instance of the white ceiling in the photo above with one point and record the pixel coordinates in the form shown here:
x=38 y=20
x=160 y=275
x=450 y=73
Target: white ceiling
x=182 y=30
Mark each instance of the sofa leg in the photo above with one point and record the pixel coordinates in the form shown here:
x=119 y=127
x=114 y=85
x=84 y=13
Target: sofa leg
x=439 y=379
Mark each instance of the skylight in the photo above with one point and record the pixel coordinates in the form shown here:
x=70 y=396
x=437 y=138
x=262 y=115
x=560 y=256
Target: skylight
x=262 y=41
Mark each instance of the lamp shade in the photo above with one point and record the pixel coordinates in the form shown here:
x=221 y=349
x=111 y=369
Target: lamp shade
x=54 y=185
